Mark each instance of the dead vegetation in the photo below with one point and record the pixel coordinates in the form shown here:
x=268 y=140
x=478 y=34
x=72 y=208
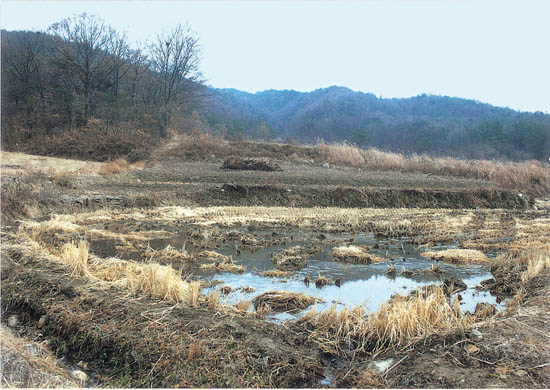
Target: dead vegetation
x=290 y=259
x=29 y=364
x=154 y=280
x=400 y=322
x=354 y=254
x=458 y=256
x=530 y=176
x=282 y=301
x=168 y=254
x=220 y=263
x=342 y=154
x=276 y=273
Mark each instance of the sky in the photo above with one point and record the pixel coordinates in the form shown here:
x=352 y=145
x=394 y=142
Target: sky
x=496 y=52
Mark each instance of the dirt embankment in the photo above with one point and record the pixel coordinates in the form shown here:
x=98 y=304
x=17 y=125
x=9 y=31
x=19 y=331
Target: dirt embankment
x=129 y=342
x=242 y=195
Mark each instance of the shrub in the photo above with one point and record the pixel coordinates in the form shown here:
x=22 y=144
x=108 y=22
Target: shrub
x=91 y=143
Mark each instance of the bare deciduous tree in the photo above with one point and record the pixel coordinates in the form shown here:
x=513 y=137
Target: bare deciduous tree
x=175 y=58
x=82 y=47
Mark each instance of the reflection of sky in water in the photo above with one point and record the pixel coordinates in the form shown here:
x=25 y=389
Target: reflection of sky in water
x=366 y=285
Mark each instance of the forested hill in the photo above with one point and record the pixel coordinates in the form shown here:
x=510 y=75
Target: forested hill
x=437 y=125
x=81 y=90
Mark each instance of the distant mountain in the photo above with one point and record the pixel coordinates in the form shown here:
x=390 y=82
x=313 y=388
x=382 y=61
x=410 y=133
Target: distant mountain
x=438 y=125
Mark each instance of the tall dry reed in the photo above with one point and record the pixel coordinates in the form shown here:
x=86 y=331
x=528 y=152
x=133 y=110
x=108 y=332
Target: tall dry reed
x=530 y=176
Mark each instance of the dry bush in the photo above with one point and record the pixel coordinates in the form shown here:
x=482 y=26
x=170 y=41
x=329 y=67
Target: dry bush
x=282 y=301
x=169 y=253
x=458 y=256
x=213 y=300
x=194 y=293
x=342 y=154
x=221 y=262
x=401 y=321
x=321 y=281
x=61 y=178
x=117 y=166
x=91 y=143
x=223 y=267
x=161 y=282
x=197 y=145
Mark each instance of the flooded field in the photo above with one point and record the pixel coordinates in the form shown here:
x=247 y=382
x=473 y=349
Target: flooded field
x=239 y=254
x=311 y=289
x=347 y=284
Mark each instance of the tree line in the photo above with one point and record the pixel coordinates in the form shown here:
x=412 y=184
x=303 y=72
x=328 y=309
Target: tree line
x=82 y=74
x=81 y=89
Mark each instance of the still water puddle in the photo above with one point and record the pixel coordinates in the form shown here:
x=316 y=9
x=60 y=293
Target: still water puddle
x=360 y=284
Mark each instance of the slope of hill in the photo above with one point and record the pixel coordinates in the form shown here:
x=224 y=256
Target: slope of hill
x=438 y=125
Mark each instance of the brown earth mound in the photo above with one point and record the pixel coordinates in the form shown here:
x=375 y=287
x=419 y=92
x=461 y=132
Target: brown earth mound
x=250 y=164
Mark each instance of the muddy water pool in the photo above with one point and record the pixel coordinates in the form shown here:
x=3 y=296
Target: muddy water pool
x=359 y=284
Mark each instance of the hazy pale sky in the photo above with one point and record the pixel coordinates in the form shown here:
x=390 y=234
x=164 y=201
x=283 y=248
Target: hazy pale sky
x=492 y=51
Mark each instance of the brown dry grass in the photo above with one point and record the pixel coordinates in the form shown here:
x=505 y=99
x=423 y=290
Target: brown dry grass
x=342 y=154
x=243 y=305
x=282 y=301
x=354 y=254
x=19 y=163
x=154 y=280
x=213 y=300
x=161 y=282
x=401 y=321
x=117 y=166
x=29 y=364
x=531 y=176
x=529 y=262
x=76 y=257
x=458 y=256
x=169 y=253
x=276 y=273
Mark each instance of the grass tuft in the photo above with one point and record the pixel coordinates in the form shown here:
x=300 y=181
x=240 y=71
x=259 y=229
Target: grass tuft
x=76 y=257
x=458 y=256
x=401 y=321
x=354 y=254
